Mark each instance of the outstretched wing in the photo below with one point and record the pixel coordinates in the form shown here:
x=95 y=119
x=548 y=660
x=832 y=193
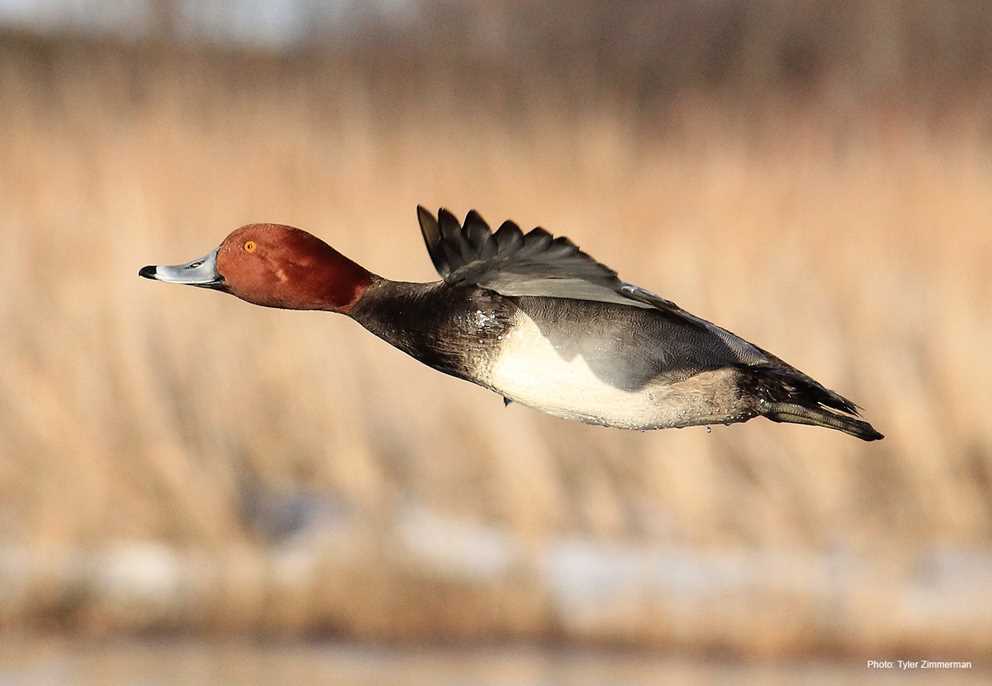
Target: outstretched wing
x=511 y=262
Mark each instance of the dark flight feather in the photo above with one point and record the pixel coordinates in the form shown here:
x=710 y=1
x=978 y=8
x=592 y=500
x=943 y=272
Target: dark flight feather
x=513 y=263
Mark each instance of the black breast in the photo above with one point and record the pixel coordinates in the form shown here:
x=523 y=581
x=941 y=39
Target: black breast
x=455 y=330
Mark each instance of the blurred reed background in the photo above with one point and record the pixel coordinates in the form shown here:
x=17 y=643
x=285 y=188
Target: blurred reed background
x=812 y=176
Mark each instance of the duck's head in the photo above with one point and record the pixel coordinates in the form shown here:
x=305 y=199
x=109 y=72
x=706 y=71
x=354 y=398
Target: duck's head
x=274 y=266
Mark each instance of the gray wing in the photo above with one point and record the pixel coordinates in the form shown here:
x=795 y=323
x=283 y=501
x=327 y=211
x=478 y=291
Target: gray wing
x=513 y=263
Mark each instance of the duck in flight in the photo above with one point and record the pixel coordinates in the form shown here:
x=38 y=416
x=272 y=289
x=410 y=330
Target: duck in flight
x=534 y=319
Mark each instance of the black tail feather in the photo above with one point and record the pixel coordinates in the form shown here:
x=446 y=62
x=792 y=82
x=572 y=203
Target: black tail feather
x=784 y=394
x=797 y=414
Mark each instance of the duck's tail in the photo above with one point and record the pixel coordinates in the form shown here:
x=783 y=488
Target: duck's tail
x=784 y=394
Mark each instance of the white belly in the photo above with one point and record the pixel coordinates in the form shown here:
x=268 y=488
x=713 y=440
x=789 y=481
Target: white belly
x=531 y=371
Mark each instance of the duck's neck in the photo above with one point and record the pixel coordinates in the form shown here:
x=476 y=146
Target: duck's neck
x=333 y=282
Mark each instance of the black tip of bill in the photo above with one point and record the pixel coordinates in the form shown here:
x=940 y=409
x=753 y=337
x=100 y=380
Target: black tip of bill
x=147 y=271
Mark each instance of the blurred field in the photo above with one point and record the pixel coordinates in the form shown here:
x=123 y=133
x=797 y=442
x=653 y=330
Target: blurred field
x=287 y=473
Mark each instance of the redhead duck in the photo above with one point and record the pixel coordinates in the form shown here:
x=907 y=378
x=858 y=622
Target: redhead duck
x=534 y=319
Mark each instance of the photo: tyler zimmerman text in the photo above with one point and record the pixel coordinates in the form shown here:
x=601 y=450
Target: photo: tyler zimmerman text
x=918 y=664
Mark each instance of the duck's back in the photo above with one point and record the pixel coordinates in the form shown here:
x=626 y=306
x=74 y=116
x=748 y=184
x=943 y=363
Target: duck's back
x=611 y=364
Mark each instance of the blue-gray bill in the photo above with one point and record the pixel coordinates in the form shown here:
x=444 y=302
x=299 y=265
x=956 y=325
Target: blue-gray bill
x=201 y=272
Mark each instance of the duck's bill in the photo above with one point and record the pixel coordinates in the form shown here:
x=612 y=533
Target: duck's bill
x=201 y=272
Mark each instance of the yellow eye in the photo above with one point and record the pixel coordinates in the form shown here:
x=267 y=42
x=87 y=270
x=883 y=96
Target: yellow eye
x=250 y=246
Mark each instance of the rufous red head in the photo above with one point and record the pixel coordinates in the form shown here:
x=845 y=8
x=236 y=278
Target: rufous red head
x=274 y=265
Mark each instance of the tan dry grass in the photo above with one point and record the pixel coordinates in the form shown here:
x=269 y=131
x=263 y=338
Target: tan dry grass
x=135 y=410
